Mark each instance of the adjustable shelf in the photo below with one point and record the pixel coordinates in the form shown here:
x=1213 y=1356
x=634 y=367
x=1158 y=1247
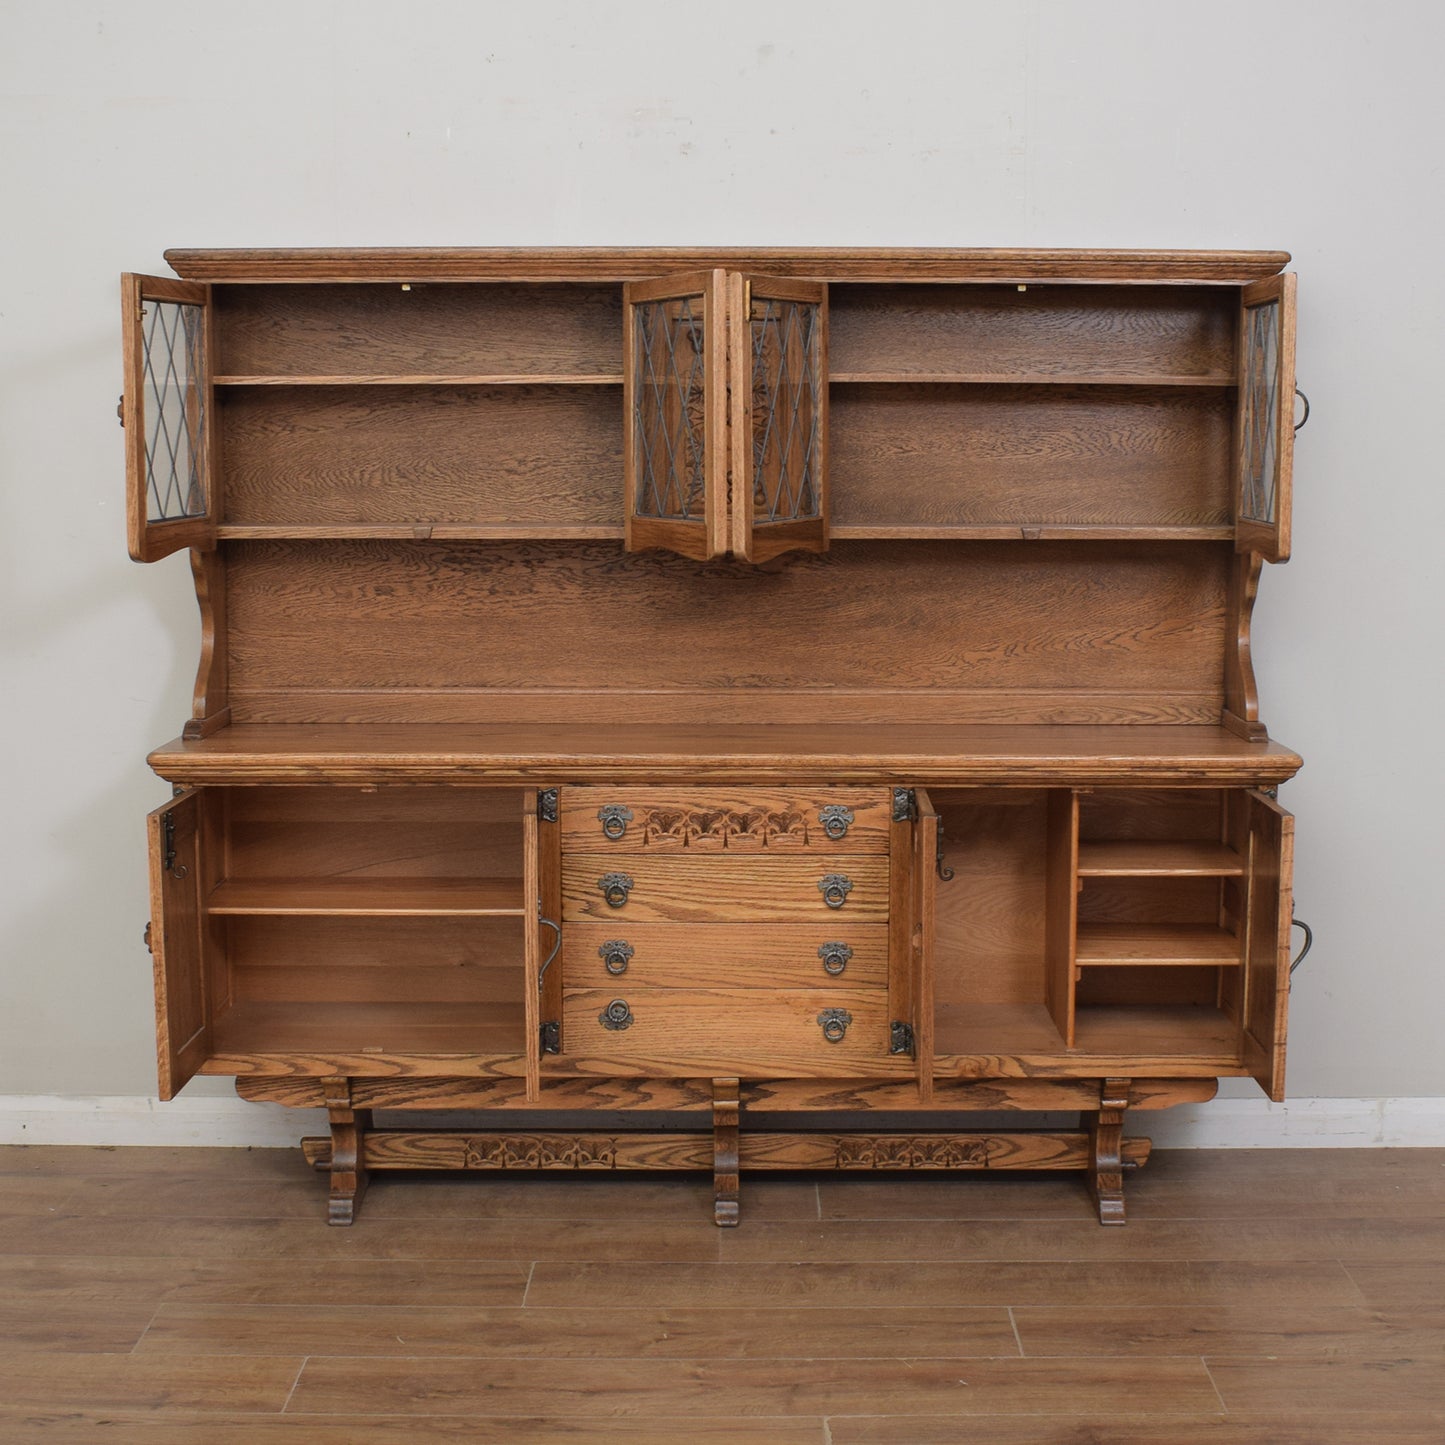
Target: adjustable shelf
x=1158 y=860
x=1155 y=945
x=1028 y=378
x=515 y=378
x=370 y=897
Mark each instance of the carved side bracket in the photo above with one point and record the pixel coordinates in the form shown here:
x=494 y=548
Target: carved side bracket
x=1106 y=1150
x=210 y=703
x=725 y=1109
x=1241 y=694
x=348 y=1135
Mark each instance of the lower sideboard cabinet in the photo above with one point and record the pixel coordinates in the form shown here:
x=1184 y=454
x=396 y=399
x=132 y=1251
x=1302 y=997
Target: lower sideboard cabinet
x=854 y=949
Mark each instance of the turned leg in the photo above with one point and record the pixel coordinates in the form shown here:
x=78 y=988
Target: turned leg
x=1106 y=1142
x=348 y=1133
x=725 y=1107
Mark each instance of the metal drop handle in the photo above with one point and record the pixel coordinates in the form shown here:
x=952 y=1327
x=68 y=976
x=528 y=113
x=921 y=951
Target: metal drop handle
x=834 y=1023
x=835 y=888
x=556 y=944
x=1299 y=425
x=616 y=1016
x=836 y=820
x=615 y=888
x=614 y=819
x=835 y=957
x=615 y=954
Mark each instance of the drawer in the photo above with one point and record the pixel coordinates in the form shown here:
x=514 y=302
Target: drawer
x=715 y=820
x=774 y=1033
x=686 y=887
x=725 y=955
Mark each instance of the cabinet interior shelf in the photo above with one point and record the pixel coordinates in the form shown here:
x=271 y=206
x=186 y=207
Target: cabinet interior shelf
x=370 y=897
x=267 y=1029
x=509 y=378
x=1026 y=378
x=1156 y=945
x=1158 y=860
x=1024 y=1030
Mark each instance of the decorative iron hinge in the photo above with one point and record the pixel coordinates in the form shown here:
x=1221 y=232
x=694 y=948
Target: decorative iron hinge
x=905 y=805
x=547 y=805
x=900 y=1038
x=551 y=1037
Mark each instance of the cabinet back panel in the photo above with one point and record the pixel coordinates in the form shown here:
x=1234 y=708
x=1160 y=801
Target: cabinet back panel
x=1045 y=330
x=395 y=833
x=1015 y=455
x=990 y=929
x=1128 y=987
x=376 y=960
x=1175 y=815
x=407 y=454
x=1149 y=900
x=446 y=631
x=440 y=330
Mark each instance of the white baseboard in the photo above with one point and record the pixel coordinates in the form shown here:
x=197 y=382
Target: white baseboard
x=115 y=1120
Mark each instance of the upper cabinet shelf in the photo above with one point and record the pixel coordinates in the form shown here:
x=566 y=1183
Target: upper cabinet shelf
x=745 y=414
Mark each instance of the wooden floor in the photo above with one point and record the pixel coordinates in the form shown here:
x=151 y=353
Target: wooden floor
x=1280 y=1298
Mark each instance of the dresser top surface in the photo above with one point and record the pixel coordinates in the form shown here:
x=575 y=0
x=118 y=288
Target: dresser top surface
x=569 y=752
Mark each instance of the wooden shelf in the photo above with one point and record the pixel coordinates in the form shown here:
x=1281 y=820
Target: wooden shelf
x=1144 y=1033
x=512 y=378
x=370 y=897
x=1158 y=860
x=1026 y=532
x=1155 y=945
x=1034 y=378
x=421 y=531
x=369 y=1029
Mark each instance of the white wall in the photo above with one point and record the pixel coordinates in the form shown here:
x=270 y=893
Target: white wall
x=1312 y=126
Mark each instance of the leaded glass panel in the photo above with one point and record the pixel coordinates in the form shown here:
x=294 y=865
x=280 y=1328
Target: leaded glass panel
x=174 y=410
x=1259 y=434
x=669 y=407
x=787 y=427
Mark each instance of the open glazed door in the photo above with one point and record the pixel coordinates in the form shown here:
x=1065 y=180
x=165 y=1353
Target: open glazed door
x=1265 y=434
x=542 y=900
x=778 y=342
x=1266 y=957
x=675 y=403
x=176 y=935
x=166 y=409
x=913 y=863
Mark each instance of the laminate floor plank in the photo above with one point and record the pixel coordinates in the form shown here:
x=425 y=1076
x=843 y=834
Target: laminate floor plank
x=110 y=1160
x=742 y=1388
x=129 y=1427
x=1239 y=1330
x=1398 y=1285
x=1326 y=1239
x=1390 y=1383
x=843 y=1283
x=360 y=1281
x=1121 y=1429
x=606 y=1333
x=37 y=1193
x=61 y=1381
x=310 y=1239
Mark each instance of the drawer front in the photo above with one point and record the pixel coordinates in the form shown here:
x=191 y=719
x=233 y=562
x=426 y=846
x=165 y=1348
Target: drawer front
x=726 y=955
x=720 y=820
x=778 y=1033
x=684 y=887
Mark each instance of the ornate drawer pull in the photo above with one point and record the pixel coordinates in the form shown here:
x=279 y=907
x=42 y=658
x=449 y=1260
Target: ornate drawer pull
x=835 y=889
x=835 y=957
x=615 y=888
x=615 y=955
x=614 y=819
x=835 y=820
x=616 y=1016
x=834 y=1023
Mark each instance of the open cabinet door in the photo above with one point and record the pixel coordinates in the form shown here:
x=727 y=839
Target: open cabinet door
x=913 y=909
x=166 y=409
x=675 y=405
x=1265 y=432
x=778 y=333
x=1266 y=957
x=542 y=900
x=177 y=941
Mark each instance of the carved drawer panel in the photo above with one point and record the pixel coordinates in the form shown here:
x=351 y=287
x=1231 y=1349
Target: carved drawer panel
x=726 y=955
x=718 y=820
x=683 y=887
x=773 y=1033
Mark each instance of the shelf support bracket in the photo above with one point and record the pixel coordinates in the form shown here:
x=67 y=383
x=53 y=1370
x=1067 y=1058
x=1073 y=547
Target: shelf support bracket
x=1106 y=1150
x=349 y=1126
x=726 y=1106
